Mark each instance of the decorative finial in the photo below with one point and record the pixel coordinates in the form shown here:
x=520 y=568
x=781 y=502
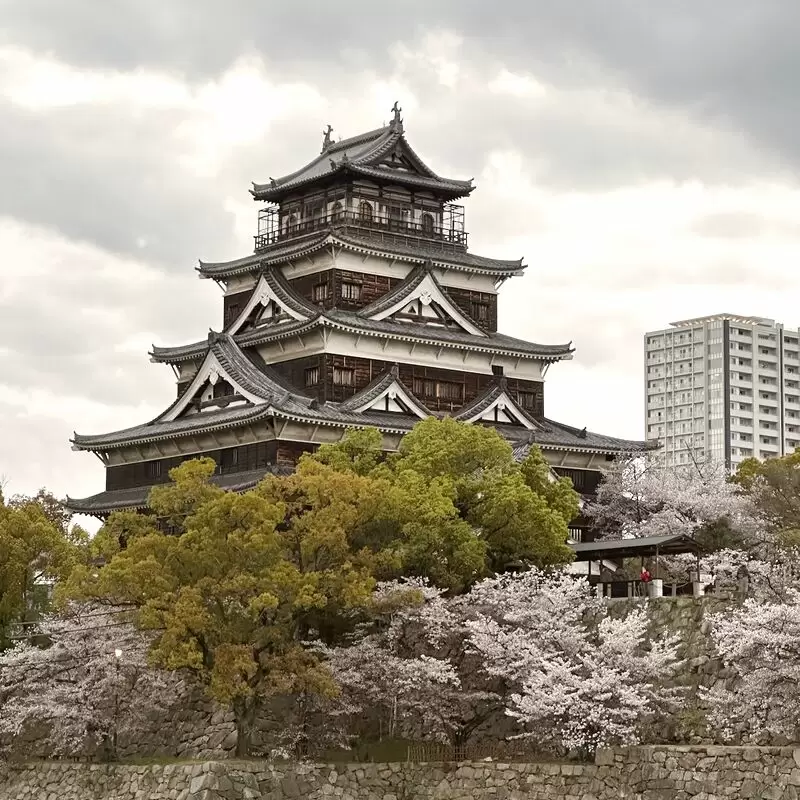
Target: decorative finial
x=333 y=163
x=272 y=182
x=397 y=120
x=326 y=141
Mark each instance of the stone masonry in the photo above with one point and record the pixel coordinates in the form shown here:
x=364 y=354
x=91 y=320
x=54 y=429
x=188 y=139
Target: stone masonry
x=640 y=773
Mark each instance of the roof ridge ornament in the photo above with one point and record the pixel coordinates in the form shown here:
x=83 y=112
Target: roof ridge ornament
x=397 y=121
x=326 y=141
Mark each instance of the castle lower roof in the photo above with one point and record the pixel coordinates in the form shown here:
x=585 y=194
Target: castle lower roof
x=355 y=239
x=135 y=498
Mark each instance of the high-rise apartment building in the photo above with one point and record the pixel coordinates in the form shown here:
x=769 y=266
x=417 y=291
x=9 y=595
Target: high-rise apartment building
x=722 y=388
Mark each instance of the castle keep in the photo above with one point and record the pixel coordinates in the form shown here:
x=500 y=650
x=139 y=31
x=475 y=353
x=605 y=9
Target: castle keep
x=361 y=305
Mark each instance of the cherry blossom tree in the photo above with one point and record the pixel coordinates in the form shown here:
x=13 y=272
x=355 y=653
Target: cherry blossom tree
x=538 y=649
x=406 y=667
x=641 y=497
x=760 y=644
x=582 y=679
x=80 y=680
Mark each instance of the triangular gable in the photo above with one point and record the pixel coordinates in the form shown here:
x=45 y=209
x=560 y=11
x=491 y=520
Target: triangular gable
x=398 y=154
x=211 y=371
x=432 y=303
x=502 y=410
x=394 y=398
x=268 y=308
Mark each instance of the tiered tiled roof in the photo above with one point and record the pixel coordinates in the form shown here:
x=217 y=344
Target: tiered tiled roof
x=364 y=155
x=135 y=498
x=359 y=322
x=360 y=241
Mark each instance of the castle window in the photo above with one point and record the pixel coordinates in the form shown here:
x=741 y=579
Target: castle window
x=445 y=390
x=312 y=376
x=337 y=212
x=153 y=469
x=527 y=400
x=343 y=376
x=292 y=224
x=480 y=312
x=427 y=223
x=365 y=211
x=351 y=291
x=441 y=390
x=319 y=292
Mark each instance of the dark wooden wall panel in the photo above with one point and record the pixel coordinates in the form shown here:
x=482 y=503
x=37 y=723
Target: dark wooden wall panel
x=366 y=370
x=229 y=460
x=468 y=301
x=232 y=306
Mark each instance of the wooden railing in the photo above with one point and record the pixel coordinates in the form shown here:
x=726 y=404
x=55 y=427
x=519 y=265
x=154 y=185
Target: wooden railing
x=390 y=230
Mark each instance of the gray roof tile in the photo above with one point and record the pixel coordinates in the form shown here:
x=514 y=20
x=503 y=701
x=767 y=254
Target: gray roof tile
x=362 y=155
x=414 y=249
x=135 y=498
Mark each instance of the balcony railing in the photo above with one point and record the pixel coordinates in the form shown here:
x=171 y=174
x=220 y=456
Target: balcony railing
x=381 y=229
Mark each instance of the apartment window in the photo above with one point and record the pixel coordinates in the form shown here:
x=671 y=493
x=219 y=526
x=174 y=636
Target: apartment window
x=343 y=376
x=319 y=292
x=351 y=291
x=153 y=469
x=312 y=376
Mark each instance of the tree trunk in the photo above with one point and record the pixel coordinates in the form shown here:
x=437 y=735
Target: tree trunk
x=244 y=710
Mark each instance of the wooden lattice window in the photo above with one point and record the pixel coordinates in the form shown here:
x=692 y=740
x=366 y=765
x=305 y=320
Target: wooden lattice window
x=343 y=376
x=312 y=376
x=365 y=211
x=446 y=390
x=153 y=469
x=527 y=400
x=351 y=291
x=427 y=223
x=480 y=312
x=319 y=292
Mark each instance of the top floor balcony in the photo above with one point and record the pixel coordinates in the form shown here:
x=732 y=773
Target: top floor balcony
x=443 y=232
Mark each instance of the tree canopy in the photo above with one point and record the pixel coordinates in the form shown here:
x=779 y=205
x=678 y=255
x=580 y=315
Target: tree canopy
x=240 y=582
x=37 y=548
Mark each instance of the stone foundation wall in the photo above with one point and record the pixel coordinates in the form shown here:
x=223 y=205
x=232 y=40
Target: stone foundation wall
x=644 y=773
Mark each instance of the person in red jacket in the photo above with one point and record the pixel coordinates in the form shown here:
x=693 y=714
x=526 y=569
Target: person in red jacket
x=645 y=575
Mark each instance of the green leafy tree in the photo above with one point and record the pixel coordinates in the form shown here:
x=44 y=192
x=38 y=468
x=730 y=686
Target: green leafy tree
x=37 y=548
x=774 y=485
x=519 y=512
x=234 y=594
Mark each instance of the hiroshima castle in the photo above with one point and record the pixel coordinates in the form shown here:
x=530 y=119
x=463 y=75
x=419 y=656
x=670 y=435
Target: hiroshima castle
x=361 y=305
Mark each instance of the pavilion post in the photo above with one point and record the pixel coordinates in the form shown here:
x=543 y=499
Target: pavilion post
x=696 y=586
x=656 y=584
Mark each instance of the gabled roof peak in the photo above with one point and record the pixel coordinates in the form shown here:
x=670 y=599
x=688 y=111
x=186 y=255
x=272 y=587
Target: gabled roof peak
x=365 y=155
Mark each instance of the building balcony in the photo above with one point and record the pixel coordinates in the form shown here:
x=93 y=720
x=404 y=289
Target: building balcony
x=450 y=237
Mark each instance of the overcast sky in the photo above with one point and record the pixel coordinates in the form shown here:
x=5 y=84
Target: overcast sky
x=642 y=157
